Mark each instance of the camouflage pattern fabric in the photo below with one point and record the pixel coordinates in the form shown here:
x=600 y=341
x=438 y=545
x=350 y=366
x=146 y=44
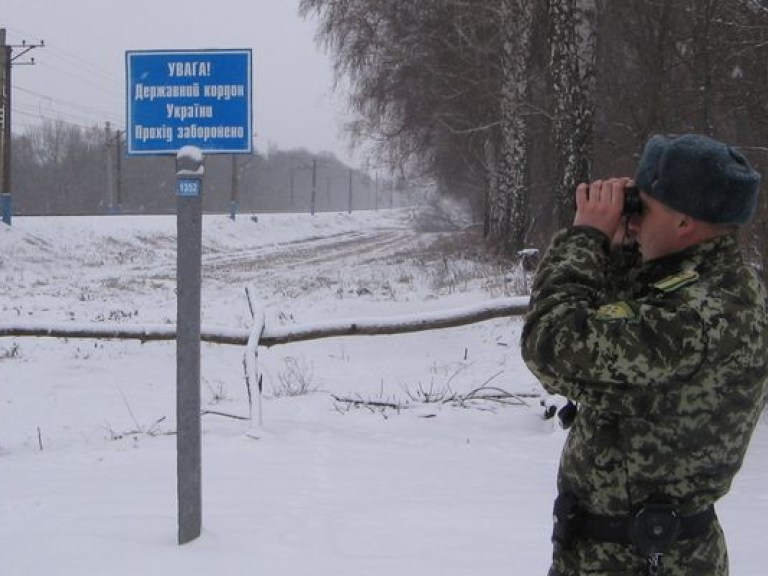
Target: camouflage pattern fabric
x=670 y=373
x=703 y=557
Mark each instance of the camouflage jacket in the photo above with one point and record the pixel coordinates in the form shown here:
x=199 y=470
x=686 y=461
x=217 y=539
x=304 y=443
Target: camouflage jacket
x=670 y=375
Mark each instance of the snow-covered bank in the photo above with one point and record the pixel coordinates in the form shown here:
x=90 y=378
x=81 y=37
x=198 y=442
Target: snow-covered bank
x=87 y=455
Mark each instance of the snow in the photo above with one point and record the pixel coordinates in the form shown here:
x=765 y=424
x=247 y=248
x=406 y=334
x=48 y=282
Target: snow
x=324 y=486
x=190 y=163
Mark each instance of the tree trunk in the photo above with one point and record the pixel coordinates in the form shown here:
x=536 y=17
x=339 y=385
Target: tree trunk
x=572 y=25
x=508 y=199
x=703 y=14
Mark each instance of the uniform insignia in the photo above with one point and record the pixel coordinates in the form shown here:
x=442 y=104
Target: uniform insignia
x=676 y=281
x=615 y=311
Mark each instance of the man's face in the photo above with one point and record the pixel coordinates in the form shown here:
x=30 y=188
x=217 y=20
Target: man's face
x=655 y=229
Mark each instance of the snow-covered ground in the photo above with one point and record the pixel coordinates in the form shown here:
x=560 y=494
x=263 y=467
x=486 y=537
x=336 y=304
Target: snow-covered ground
x=330 y=486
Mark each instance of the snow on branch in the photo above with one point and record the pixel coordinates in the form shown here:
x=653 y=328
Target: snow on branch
x=488 y=310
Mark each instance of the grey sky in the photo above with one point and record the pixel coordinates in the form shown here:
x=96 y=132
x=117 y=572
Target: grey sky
x=80 y=74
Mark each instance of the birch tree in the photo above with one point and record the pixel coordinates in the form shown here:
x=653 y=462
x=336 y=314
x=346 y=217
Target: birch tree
x=442 y=83
x=508 y=193
x=573 y=37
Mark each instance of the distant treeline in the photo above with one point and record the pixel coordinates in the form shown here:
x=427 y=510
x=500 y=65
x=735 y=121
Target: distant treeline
x=60 y=168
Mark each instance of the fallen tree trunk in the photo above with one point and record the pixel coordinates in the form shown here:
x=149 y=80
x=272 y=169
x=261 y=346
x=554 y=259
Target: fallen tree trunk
x=499 y=308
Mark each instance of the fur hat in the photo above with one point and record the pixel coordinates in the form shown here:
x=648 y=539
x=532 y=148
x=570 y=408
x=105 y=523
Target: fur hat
x=700 y=177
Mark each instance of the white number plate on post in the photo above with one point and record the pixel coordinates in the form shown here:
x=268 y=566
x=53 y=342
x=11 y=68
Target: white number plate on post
x=188 y=187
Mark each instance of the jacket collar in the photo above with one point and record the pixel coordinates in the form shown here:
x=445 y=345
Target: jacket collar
x=721 y=251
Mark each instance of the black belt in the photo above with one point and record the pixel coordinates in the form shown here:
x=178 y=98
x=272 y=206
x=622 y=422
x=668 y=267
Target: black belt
x=618 y=529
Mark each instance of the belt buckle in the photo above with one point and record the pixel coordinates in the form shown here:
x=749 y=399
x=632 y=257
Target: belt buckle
x=655 y=528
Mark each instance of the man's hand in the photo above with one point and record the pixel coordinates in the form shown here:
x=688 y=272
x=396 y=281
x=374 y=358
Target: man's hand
x=600 y=205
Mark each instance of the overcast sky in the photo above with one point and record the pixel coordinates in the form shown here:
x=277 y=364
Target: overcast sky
x=79 y=75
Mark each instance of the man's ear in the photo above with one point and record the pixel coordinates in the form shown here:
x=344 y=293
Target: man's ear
x=686 y=226
x=690 y=229
x=684 y=221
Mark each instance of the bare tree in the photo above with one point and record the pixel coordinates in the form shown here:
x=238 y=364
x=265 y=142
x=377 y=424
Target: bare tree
x=508 y=193
x=573 y=37
x=441 y=85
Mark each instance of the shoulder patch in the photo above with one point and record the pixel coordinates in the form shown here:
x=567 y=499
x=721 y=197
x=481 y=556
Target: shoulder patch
x=677 y=281
x=615 y=311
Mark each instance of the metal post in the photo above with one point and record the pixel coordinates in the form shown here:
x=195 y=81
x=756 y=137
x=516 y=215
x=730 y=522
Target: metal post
x=189 y=185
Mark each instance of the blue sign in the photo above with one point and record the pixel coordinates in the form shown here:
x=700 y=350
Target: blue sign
x=183 y=97
x=188 y=187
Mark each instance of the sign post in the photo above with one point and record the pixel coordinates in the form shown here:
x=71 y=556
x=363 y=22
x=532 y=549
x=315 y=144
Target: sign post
x=189 y=188
x=187 y=102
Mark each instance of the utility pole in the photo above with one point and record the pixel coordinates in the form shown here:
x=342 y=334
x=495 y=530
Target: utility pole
x=314 y=185
x=234 y=199
x=292 y=172
x=119 y=170
x=114 y=184
x=110 y=181
x=350 y=191
x=376 y=193
x=5 y=124
x=7 y=59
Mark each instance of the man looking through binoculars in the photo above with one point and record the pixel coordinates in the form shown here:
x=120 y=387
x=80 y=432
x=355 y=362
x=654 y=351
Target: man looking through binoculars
x=669 y=370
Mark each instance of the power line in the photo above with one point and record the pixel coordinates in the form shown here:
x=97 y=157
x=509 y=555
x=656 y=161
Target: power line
x=46 y=106
x=74 y=71
x=55 y=50
x=81 y=76
x=72 y=120
x=61 y=100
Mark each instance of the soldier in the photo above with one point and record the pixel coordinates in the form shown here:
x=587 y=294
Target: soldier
x=670 y=373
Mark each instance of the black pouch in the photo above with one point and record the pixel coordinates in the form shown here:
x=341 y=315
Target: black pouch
x=567 y=414
x=567 y=520
x=654 y=529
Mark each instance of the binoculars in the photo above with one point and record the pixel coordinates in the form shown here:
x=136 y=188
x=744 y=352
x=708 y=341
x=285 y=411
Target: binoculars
x=632 y=204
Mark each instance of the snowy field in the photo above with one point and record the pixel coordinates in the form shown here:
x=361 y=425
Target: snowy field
x=337 y=483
